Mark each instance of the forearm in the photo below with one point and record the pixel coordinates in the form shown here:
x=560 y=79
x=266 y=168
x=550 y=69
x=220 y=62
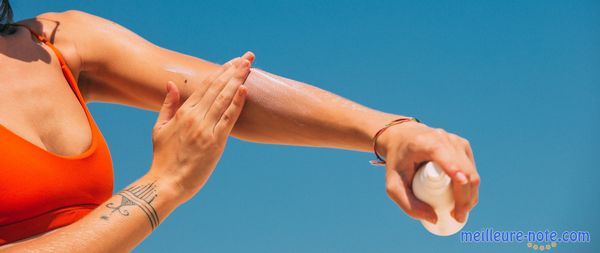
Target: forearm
x=283 y=111
x=117 y=225
x=277 y=110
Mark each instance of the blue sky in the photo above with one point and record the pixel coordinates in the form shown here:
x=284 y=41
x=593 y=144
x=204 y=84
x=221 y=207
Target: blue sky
x=519 y=79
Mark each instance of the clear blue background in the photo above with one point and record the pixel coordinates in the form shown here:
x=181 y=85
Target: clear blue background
x=520 y=79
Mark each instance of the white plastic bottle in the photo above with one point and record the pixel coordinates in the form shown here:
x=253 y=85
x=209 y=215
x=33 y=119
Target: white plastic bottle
x=432 y=186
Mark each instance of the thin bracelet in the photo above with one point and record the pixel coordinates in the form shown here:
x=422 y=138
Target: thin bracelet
x=380 y=161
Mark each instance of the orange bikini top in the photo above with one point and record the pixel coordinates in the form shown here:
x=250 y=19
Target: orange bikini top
x=40 y=190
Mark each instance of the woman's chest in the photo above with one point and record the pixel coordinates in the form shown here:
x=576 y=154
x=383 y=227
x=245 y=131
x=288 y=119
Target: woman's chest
x=38 y=105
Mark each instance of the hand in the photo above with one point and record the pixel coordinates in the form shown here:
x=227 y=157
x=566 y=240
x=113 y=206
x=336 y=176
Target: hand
x=409 y=145
x=189 y=138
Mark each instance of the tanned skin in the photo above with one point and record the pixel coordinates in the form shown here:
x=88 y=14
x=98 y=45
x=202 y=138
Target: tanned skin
x=113 y=64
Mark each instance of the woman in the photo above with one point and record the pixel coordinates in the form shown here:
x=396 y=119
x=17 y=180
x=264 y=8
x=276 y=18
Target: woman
x=55 y=169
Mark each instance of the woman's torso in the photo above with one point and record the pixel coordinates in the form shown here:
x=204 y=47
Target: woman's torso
x=54 y=163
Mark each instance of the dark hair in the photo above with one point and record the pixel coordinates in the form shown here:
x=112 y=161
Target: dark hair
x=6 y=18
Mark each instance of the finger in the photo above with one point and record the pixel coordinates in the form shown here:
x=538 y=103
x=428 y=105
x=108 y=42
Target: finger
x=469 y=151
x=472 y=189
x=230 y=116
x=224 y=99
x=453 y=163
x=475 y=181
x=472 y=175
x=398 y=191
x=249 y=56
x=468 y=166
x=170 y=104
x=461 y=189
x=462 y=144
x=197 y=95
x=213 y=91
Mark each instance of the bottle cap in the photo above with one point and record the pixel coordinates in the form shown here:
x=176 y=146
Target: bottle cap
x=434 y=176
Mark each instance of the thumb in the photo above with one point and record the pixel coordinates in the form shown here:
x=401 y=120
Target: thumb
x=170 y=105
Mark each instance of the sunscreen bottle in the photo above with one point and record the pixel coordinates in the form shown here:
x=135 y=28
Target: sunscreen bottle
x=432 y=186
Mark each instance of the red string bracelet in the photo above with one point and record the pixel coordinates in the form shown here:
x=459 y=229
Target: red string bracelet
x=380 y=160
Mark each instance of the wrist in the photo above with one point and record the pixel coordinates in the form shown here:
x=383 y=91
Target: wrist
x=386 y=140
x=368 y=127
x=389 y=136
x=170 y=190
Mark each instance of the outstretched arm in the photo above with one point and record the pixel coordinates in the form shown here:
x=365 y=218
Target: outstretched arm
x=116 y=65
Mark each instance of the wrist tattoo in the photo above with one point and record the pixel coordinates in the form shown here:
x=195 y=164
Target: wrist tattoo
x=137 y=195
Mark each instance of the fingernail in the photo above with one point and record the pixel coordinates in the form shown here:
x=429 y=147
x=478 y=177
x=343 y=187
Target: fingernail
x=462 y=179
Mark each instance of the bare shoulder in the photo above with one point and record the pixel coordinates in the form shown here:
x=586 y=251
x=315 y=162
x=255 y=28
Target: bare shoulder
x=67 y=31
x=81 y=37
x=55 y=25
x=88 y=37
x=95 y=48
